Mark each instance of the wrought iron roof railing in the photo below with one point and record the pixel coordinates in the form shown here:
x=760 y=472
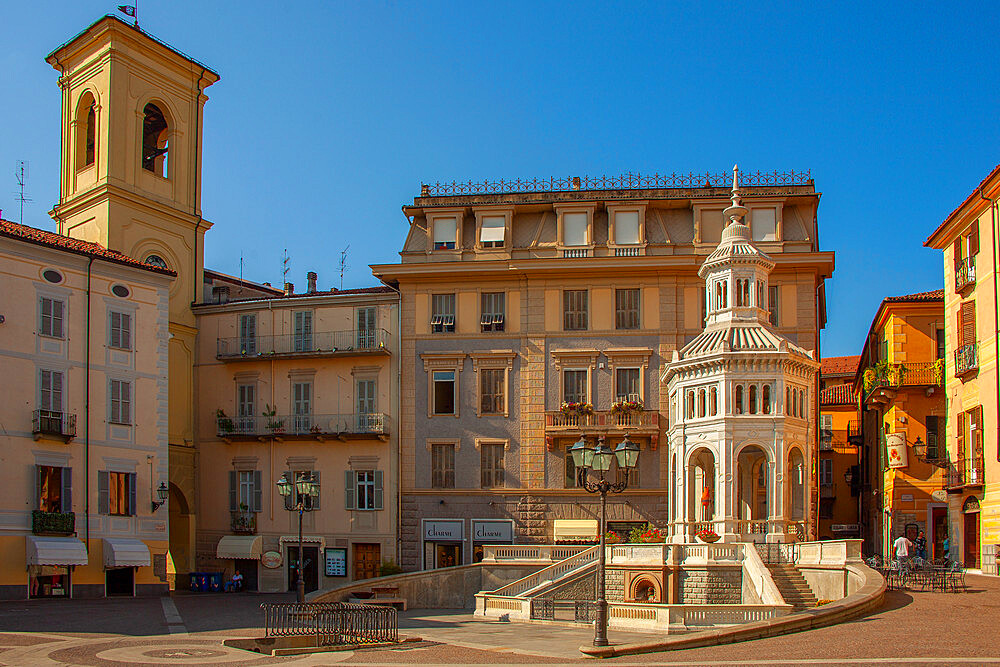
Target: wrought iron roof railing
x=628 y=181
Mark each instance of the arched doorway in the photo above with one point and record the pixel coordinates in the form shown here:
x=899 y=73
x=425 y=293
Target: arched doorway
x=795 y=485
x=753 y=489
x=180 y=562
x=702 y=486
x=970 y=532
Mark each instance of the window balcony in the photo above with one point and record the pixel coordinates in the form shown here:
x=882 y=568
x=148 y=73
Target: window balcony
x=966 y=472
x=853 y=429
x=883 y=378
x=966 y=359
x=304 y=427
x=53 y=523
x=965 y=273
x=576 y=253
x=572 y=424
x=243 y=522
x=316 y=344
x=53 y=424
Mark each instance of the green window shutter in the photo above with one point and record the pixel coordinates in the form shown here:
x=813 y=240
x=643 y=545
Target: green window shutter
x=102 y=492
x=378 y=489
x=349 y=484
x=132 y=507
x=234 y=490
x=258 y=492
x=315 y=499
x=67 y=489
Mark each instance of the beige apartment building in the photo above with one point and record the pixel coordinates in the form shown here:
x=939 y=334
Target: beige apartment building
x=83 y=353
x=288 y=384
x=968 y=239
x=537 y=312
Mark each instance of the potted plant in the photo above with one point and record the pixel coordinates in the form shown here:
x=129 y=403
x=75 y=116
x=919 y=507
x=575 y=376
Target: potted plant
x=611 y=537
x=273 y=423
x=708 y=535
x=646 y=535
x=626 y=407
x=225 y=423
x=573 y=408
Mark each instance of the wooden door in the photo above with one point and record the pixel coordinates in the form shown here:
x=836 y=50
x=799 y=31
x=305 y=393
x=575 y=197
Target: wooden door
x=940 y=522
x=972 y=540
x=367 y=559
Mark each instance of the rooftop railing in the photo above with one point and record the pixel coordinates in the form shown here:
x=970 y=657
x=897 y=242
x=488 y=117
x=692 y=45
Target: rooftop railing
x=317 y=343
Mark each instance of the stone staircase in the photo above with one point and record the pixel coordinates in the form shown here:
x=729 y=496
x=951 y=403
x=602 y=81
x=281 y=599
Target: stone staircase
x=792 y=585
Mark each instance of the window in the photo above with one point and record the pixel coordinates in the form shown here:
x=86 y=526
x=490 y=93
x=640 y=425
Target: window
x=753 y=399
x=54 y=485
x=802 y=403
x=248 y=335
x=763 y=224
x=492 y=311
x=627 y=228
x=772 y=304
x=932 y=436
x=366 y=336
x=120 y=291
x=575 y=229
x=51 y=313
x=701 y=402
x=363 y=489
x=155 y=141
x=491 y=390
x=738 y=407
x=52 y=276
x=246 y=407
x=939 y=337
x=121 y=331
x=116 y=493
x=246 y=491
x=121 y=402
x=575 y=310
x=491 y=465
x=765 y=399
x=366 y=396
x=491 y=231
x=575 y=477
x=444 y=392
x=302 y=405
x=627 y=384
x=303 y=323
x=575 y=386
x=51 y=391
x=826 y=508
x=156 y=260
x=970 y=434
x=713 y=401
x=967 y=245
x=689 y=404
x=626 y=308
x=445 y=233
x=967 y=324
x=826 y=471
x=632 y=476
x=826 y=427
x=443 y=313
x=443 y=466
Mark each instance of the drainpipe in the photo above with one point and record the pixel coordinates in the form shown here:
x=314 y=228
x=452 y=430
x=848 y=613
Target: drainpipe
x=996 y=305
x=86 y=415
x=196 y=181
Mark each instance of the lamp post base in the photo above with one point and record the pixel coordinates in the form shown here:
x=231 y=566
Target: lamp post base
x=601 y=624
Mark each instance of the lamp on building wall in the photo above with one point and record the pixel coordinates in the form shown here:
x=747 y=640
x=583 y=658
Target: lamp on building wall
x=848 y=476
x=161 y=493
x=920 y=450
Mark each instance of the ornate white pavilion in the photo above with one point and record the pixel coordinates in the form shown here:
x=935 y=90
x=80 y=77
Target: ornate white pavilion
x=741 y=415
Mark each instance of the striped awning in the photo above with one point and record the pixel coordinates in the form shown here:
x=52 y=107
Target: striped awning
x=125 y=552
x=55 y=551
x=574 y=529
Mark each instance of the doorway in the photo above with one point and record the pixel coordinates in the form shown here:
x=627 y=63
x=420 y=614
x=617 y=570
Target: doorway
x=248 y=568
x=119 y=581
x=939 y=520
x=972 y=540
x=367 y=559
x=447 y=554
x=310 y=569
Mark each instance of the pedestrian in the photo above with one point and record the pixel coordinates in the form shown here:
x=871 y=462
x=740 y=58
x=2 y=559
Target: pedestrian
x=920 y=545
x=238 y=581
x=902 y=547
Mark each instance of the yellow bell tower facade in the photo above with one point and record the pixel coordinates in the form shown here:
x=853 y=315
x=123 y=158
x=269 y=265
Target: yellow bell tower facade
x=130 y=179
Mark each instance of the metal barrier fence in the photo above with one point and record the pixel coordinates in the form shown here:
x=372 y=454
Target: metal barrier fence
x=543 y=608
x=331 y=622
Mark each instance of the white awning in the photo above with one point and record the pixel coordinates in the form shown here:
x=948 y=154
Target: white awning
x=55 y=551
x=247 y=547
x=574 y=529
x=293 y=540
x=125 y=552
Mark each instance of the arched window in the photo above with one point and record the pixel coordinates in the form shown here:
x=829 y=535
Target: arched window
x=788 y=400
x=713 y=401
x=154 y=141
x=725 y=293
x=718 y=295
x=753 y=399
x=765 y=399
x=156 y=260
x=802 y=403
x=701 y=402
x=760 y=294
x=689 y=404
x=738 y=408
x=739 y=291
x=86 y=131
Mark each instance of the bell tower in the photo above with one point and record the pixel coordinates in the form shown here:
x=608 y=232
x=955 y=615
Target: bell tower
x=130 y=179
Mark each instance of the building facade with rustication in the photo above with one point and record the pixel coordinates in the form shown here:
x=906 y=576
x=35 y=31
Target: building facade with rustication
x=534 y=313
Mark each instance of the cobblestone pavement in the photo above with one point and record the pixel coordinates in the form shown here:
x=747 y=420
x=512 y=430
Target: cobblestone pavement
x=918 y=628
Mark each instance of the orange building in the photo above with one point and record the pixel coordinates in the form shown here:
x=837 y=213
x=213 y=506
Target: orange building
x=903 y=403
x=840 y=439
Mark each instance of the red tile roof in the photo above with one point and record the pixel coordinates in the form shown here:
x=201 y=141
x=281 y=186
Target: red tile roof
x=975 y=193
x=933 y=295
x=76 y=246
x=841 y=394
x=840 y=365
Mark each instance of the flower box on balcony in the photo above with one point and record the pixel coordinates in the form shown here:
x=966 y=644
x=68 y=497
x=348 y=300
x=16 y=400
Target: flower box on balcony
x=53 y=523
x=571 y=408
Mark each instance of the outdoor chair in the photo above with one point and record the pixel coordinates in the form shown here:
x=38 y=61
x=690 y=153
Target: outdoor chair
x=955 y=578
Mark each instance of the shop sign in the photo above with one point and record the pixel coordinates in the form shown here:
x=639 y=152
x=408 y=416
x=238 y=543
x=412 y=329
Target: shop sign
x=971 y=505
x=271 y=559
x=443 y=531
x=492 y=531
x=895 y=445
x=940 y=495
x=845 y=528
x=336 y=562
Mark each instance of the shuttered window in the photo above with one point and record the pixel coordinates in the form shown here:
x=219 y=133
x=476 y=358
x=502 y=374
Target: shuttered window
x=363 y=489
x=245 y=488
x=121 y=331
x=116 y=493
x=51 y=391
x=248 y=335
x=575 y=310
x=932 y=436
x=303 y=338
x=443 y=313
x=491 y=390
x=491 y=465
x=51 y=317
x=366 y=328
x=575 y=386
x=626 y=308
x=121 y=402
x=443 y=466
x=967 y=323
x=772 y=304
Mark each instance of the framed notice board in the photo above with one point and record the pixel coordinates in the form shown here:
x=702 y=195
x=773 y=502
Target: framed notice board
x=336 y=562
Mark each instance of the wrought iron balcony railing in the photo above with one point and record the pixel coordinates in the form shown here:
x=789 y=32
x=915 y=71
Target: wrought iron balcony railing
x=303 y=426
x=50 y=422
x=965 y=273
x=243 y=522
x=965 y=472
x=316 y=344
x=914 y=374
x=53 y=523
x=966 y=359
x=853 y=428
x=639 y=420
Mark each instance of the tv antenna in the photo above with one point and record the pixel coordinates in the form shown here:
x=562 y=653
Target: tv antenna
x=21 y=174
x=284 y=267
x=343 y=264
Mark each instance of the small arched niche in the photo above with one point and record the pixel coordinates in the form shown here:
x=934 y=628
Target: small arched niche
x=645 y=588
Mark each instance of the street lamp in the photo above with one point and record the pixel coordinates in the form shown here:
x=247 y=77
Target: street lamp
x=161 y=493
x=848 y=476
x=598 y=459
x=305 y=485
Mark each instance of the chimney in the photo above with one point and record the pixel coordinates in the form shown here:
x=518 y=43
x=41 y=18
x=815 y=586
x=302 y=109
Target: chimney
x=289 y=289
x=311 y=282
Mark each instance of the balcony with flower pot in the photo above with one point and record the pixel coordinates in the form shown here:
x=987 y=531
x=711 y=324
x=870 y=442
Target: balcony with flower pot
x=322 y=427
x=573 y=420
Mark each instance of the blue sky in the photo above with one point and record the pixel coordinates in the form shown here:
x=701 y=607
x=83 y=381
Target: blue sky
x=330 y=115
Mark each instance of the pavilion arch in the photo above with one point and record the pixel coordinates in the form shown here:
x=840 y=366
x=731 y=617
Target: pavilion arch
x=754 y=482
x=702 y=470
x=795 y=484
x=85 y=129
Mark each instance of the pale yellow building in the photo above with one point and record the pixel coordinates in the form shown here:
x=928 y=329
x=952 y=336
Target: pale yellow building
x=294 y=383
x=968 y=239
x=83 y=442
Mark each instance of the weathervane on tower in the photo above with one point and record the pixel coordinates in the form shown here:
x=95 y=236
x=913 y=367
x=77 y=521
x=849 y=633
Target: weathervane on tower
x=131 y=10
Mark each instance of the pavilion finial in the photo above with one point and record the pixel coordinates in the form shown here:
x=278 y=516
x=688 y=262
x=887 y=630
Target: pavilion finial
x=736 y=185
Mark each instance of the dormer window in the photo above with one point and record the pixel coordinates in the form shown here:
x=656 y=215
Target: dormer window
x=626 y=232
x=445 y=233
x=575 y=229
x=575 y=234
x=492 y=231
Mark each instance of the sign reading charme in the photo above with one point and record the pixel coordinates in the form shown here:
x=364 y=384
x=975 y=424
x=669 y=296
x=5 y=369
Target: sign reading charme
x=492 y=531
x=443 y=531
x=895 y=445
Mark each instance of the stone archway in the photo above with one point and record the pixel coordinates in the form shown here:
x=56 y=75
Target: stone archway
x=795 y=485
x=645 y=588
x=702 y=485
x=180 y=561
x=754 y=484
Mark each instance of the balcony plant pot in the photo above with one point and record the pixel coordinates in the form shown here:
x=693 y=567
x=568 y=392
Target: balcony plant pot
x=707 y=536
